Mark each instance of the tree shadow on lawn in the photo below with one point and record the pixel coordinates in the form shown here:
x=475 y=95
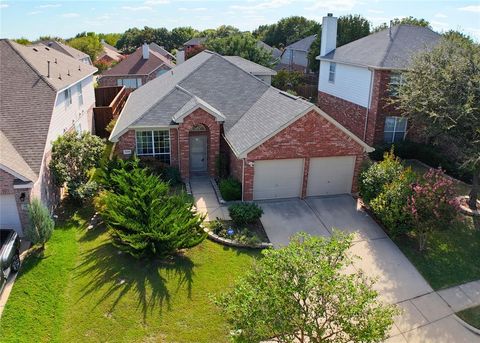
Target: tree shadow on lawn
x=120 y=273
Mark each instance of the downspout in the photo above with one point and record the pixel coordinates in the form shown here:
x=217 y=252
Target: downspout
x=368 y=106
x=178 y=151
x=243 y=177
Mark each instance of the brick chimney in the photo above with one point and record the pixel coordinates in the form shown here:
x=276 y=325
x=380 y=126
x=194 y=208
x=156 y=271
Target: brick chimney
x=145 y=51
x=329 y=34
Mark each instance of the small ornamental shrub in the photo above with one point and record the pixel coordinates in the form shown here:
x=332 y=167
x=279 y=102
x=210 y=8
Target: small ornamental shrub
x=231 y=189
x=432 y=205
x=244 y=213
x=171 y=175
x=221 y=165
x=373 y=179
x=73 y=157
x=144 y=218
x=41 y=224
x=390 y=205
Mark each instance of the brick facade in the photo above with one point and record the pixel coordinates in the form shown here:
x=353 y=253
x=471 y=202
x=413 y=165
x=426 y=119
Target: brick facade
x=6 y=187
x=308 y=137
x=354 y=116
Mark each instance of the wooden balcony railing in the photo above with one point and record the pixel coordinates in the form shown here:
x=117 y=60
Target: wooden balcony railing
x=109 y=102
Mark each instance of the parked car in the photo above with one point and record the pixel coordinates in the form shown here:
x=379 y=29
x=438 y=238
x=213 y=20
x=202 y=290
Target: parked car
x=9 y=255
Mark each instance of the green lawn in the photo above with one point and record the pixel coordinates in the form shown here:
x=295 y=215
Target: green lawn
x=471 y=316
x=83 y=289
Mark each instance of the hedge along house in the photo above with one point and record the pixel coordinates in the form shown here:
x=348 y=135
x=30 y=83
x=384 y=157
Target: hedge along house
x=279 y=145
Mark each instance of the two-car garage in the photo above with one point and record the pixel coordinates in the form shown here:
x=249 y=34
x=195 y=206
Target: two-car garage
x=284 y=178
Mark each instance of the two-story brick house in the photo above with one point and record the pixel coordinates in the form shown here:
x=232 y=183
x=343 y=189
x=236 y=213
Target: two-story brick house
x=45 y=93
x=357 y=80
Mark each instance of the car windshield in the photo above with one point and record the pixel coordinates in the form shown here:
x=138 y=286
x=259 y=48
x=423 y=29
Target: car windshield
x=4 y=236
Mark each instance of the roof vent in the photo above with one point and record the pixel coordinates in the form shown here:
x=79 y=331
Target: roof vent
x=79 y=69
x=35 y=49
x=59 y=76
x=55 y=60
x=48 y=68
x=330 y=15
x=68 y=72
x=47 y=48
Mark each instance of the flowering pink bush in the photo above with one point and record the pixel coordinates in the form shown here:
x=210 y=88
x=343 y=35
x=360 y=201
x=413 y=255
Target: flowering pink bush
x=433 y=204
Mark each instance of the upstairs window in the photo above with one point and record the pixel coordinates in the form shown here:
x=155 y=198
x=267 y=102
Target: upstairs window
x=80 y=93
x=331 y=74
x=130 y=83
x=153 y=143
x=67 y=94
x=396 y=80
x=160 y=72
x=395 y=129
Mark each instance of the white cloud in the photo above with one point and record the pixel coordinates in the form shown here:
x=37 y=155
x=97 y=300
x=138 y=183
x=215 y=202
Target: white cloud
x=49 y=6
x=334 y=5
x=70 y=15
x=156 y=2
x=375 y=11
x=195 y=9
x=440 y=15
x=136 y=8
x=471 y=8
x=439 y=25
x=263 y=5
x=4 y=5
x=34 y=12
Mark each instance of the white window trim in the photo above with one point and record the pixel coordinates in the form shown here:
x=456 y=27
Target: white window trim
x=138 y=82
x=68 y=99
x=153 y=145
x=394 y=131
x=330 y=73
x=80 y=93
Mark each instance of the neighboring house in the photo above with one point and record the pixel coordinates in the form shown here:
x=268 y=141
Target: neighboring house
x=110 y=54
x=162 y=51
x=209 y=107
x=193 y=44
x=136 y=69
x=45 y=93
x=69 y=51
x=276 y=53
x=357 y=79
x=295 y=56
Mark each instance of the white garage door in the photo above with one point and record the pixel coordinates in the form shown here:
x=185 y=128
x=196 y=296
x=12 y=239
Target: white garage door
x=278 y=179
x=9 y=218
x=330 y=175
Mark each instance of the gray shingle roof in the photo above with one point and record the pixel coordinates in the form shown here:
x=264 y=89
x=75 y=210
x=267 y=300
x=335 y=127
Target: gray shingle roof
x=11 y=159
x=381 y=50
x=303 y=44
x=195 y=41
x=249 y=66
x=276 y=53
x=251 y=108
x=68 y=50
x=161 y=50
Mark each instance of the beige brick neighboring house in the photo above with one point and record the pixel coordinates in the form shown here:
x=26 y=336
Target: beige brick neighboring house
x=44 y=93
x=142 y=66
x=280 y=146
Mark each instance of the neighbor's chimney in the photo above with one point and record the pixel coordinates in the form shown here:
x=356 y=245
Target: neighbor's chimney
x=145 y=51
x=180 y=56
x=329 y=34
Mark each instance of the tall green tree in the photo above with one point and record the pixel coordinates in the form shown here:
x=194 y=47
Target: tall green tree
x=180 y=35
x=243 y=45
x=350 y=28
x=287 y=31
x=130 y=40
x=301 y=293
x=406 y=20
x=110 y=38
x=441 y=96
x=89 y=44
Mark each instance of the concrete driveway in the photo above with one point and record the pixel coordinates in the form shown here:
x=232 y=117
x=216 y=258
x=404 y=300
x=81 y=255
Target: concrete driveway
x=426 y=317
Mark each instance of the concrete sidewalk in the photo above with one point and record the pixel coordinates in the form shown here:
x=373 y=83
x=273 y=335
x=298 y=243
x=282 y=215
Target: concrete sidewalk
x=206 y=200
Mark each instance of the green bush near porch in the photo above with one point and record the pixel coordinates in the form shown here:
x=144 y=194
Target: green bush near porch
x=231 y=189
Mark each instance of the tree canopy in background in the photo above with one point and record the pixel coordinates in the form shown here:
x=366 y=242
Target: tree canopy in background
x=350 y=28
x=243 y=45
x=88 y=43
x=398 y=21
x=286 y=31
x=441 y=96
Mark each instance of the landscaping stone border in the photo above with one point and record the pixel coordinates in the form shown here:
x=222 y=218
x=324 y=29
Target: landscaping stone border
x=235 y=244
x=467 y=210
x=188 y=188
x=468 y=326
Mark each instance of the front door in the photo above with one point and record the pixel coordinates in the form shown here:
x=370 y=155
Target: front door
x=198 y=153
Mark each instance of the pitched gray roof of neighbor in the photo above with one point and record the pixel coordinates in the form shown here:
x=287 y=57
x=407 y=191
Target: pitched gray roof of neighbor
x=63 y=48
x=249 y=66
x=161 y=50
x=195 y=41
x=11 y=159
x=276 y=53
x=303 y=44
x=385 y=50
x=26 y=103
x=213 y=82
x=108 y=46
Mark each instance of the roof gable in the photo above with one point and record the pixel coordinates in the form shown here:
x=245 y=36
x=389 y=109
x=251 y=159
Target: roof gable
x=303 y=44
x=13 y=162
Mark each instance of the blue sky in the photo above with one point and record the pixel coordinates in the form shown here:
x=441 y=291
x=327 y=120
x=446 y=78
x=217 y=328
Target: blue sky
x=31 y=19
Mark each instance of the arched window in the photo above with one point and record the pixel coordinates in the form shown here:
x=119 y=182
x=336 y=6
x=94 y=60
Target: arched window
x=199 y=127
